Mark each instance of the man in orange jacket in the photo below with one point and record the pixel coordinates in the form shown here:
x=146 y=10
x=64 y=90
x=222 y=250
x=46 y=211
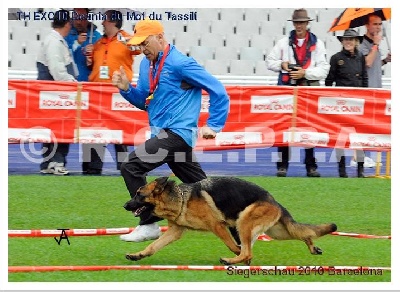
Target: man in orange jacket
x=104 y=57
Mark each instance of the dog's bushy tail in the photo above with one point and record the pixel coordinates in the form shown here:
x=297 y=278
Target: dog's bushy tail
x=303 y=231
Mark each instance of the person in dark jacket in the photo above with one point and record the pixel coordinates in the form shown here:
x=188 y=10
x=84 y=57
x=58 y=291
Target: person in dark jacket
x=348 y=69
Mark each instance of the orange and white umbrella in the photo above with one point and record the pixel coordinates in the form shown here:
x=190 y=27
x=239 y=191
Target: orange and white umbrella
x=355 y=17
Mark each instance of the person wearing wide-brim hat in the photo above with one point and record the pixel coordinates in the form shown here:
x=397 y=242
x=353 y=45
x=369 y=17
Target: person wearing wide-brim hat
x=300 y=15
x=300 y=60
x=350 y=33
x=348 y=68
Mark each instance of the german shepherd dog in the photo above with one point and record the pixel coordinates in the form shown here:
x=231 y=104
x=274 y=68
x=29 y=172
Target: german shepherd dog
x=217 y=204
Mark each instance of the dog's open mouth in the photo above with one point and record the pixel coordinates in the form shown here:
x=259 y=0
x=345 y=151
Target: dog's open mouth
x=139 y=211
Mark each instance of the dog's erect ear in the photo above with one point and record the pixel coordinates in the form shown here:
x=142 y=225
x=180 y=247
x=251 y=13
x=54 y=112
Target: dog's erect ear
x=161 y=183
x=162 y=180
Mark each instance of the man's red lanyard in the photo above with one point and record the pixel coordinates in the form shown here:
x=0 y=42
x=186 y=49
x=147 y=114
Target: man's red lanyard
x=154 y=81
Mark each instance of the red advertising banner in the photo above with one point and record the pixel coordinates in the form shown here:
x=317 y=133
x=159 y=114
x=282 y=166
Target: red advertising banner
x=259 y=116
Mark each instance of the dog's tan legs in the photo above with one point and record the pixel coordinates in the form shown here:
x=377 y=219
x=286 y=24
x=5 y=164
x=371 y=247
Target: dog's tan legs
x=252 y=221
x=173 y=233
x=313 y=249
x=245 y=255
x=222 y=232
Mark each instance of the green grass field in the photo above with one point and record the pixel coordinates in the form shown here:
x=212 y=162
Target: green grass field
x=49 y=202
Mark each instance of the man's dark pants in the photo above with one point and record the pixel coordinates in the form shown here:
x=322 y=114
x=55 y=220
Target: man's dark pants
x=166 y=147
x=284 y=156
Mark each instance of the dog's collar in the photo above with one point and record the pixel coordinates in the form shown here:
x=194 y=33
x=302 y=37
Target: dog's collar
x=183 y=201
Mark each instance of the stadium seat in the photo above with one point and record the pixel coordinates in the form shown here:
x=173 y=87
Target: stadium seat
x=241 y=67
x=271 y=28
x=256 y=14
x=216 y=67
x=276 y=38
x=232 y=14
x=251 y=53
x=15 y=47
x=183 y=40
x=201 y=53
x=320 y=29
x=261 y=41
x=15 y=23
x=208 y=14
x=222 y=27
x=200 y=26
x=212 y=39
x=32 y=47
x=261 y=69
x=38 y=23
x=247 y=27
x=332 y=45
x=226 y=53
x=175 y=26
x=24 y=33
x=23 y=62
x=237 y=40
x=387 y=70
x=288 y=27
x=328 y=14
x=280 y=14
x=43 y=32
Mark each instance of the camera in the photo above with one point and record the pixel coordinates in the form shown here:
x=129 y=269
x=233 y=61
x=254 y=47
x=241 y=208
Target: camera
x=293 y=82
x=292 y=67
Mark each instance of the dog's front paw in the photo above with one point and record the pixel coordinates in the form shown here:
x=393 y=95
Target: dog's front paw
x=134 y=257
x=317 y=250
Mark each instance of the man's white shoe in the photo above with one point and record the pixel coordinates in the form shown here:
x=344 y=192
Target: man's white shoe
x=55 y=168
x=59 y=169
x=368 y=162
x=143 y=233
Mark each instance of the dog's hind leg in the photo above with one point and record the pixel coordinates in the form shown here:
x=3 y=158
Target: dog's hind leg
x=313 y=249
x=252 y=221
x=174 y=232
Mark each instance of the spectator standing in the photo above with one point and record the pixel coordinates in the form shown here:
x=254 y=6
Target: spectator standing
x=348 y=69
x=169 y=89
x=370 y=49
x=104 y=57
x=82 y=34
x=300 y=60
x=54 y=62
